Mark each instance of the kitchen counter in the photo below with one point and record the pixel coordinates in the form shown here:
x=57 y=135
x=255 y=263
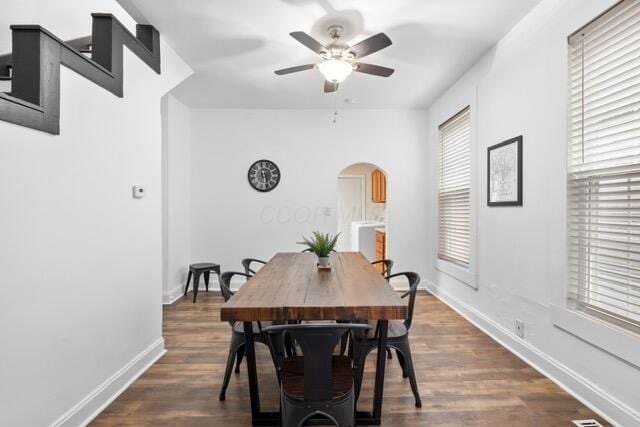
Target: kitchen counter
x=363 y=237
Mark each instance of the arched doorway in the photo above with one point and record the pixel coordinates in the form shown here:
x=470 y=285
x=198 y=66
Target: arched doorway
x=361 y=210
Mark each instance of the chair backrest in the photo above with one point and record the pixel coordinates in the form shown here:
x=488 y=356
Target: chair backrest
x=414 y=281
x=317 y=342
x=387 y=264
x=225 y=282
x=246 y=264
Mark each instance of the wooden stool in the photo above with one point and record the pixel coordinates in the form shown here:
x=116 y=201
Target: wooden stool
x=201 y=268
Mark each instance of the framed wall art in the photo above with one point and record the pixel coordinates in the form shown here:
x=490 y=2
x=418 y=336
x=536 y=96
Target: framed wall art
x=504 y=173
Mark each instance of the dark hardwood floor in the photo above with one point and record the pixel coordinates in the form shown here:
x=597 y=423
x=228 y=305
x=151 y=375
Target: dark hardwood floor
x=465 y=378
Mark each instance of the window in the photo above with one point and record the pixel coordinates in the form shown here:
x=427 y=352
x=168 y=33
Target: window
x=604 y=166
x=454 y=189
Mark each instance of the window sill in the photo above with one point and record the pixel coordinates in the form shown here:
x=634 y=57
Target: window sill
x=610 y=338
x=461 y=274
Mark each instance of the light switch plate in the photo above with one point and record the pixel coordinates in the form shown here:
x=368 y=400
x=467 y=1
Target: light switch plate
x=139 y=192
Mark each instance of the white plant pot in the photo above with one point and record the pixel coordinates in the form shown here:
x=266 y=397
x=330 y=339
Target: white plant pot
x=323 y=261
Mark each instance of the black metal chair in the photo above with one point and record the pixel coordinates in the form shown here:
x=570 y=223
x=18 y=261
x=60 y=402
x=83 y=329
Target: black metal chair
x=387 y=264
x=236 y=347
x=318 y=383
x=201 y=268
x=246 y=264
x=398 y=337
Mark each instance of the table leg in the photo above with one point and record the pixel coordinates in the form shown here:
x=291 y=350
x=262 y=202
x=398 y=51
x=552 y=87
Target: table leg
x=250 y=353
x=380 y=367
x=258 y=418
x=375 y=417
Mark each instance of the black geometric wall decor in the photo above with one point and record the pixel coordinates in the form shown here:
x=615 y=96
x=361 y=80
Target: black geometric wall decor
x=34 y=67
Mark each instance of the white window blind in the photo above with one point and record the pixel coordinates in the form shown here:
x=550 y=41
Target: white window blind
x=454 y=205
x=604 y=166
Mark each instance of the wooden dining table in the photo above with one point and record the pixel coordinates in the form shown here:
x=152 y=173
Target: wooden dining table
x=291 y=288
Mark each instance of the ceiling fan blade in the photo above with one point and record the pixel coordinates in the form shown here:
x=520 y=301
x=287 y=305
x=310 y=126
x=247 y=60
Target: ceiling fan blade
x=294 y=69
x=330 y=86
x=309 y=42
x=370 y=45
x=375 y=70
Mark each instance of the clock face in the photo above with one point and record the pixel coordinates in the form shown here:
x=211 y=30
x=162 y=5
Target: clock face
x=264 y=175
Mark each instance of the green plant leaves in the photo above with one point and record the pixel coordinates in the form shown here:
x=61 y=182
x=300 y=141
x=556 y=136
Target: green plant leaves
x=321 y=244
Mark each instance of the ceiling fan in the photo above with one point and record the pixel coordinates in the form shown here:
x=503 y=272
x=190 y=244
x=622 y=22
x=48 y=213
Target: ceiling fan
x=339 y=59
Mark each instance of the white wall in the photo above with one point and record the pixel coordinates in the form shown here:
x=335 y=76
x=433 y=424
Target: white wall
x=231 y=221
x=176 y=122
x=80 y=312
x=520 y=87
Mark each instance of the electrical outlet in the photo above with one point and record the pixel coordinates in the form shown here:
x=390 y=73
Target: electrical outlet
x=520 y=328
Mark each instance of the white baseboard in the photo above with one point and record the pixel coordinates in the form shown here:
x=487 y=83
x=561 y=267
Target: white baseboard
x=401 y=283
x=614 y=411
x=173 y=295
x=95 y=402
x=176 y=293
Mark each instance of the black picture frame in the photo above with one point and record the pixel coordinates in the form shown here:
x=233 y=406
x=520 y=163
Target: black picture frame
x=518 y=202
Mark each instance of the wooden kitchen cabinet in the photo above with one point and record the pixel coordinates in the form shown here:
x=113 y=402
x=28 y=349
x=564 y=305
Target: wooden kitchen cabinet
x=378 y=187
x=381 y=249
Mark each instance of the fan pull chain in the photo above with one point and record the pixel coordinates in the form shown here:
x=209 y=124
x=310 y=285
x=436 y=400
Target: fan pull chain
x=335 y=108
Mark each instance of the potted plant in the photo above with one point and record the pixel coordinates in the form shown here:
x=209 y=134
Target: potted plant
x=322 y=245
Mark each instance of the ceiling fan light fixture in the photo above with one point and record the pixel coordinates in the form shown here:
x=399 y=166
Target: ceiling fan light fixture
x=338 y=60
x=335 y=70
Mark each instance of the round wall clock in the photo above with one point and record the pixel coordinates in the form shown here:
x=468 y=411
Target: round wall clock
x=264 y=175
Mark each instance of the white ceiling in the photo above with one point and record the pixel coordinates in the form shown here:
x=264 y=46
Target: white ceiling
x=235 y=45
